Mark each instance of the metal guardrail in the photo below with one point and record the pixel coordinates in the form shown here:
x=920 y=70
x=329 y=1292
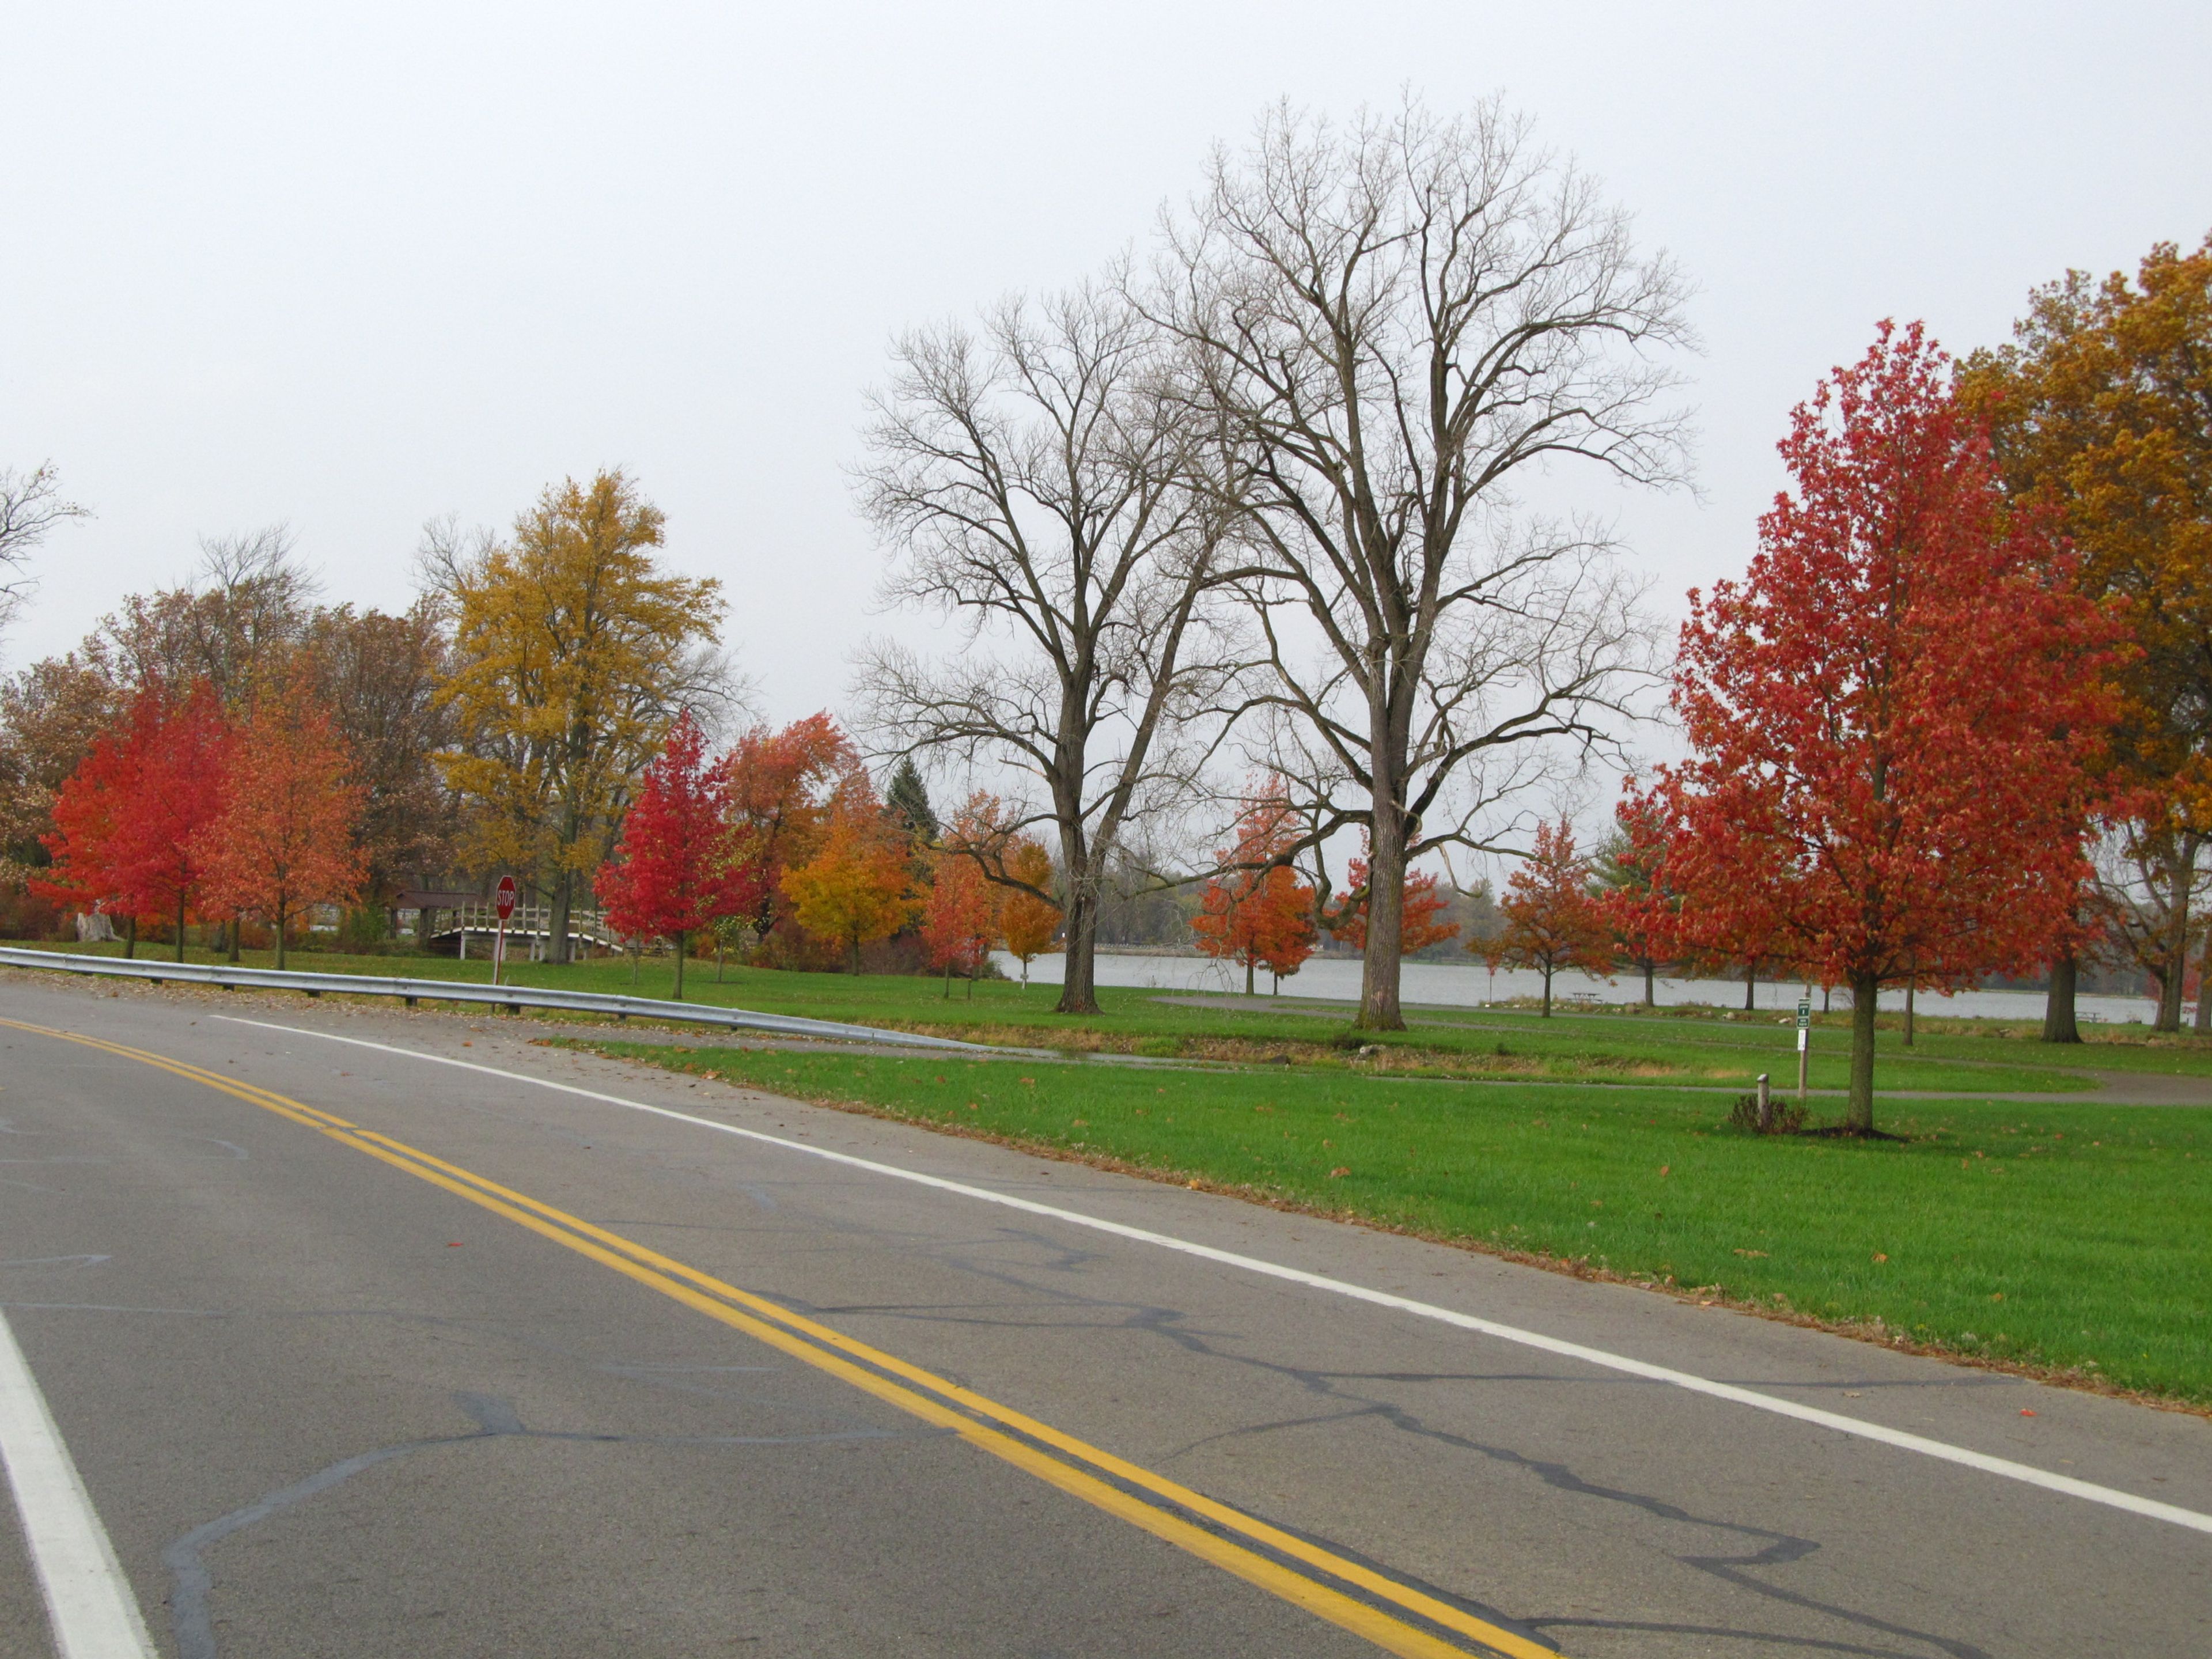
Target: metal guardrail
x=512 y=997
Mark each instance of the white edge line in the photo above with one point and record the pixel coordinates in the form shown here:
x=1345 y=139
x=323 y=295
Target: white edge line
x=90 y=1602
x=1851 y=1425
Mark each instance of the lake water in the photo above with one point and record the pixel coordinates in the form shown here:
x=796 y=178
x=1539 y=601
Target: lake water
x=1451 y=985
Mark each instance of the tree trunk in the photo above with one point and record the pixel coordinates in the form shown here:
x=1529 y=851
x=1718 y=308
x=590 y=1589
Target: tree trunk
x=280 y=936
x=563 y=895
x=2203 y=987
x=948 y=979
x=1078 y=990
x=1858 y=1111
x=2177 y=949
x=1250 y=988
x=130 y=937
x=237 y=926
x=679 y=964
x=1651 y=995
x=2058 y=1025
x=1911 y=985
x=180 y=924
x=1548 y=990
x=1751 y=985
x=1380 y=966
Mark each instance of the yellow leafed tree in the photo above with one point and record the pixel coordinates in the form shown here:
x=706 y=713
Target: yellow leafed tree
x=2102 y=408
x=1027 y=921
x=574 y=653
x=859 y=888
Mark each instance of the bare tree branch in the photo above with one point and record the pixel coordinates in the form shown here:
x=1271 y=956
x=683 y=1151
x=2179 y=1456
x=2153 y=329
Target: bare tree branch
x=31 y=505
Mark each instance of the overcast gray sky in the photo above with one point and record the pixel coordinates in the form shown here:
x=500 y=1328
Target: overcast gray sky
x=354 y=268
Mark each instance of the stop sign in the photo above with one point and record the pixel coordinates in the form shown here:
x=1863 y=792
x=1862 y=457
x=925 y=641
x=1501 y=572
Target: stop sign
x=504 y=902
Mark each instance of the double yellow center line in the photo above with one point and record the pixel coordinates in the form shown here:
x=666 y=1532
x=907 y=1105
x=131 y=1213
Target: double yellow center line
x=1396 y=1616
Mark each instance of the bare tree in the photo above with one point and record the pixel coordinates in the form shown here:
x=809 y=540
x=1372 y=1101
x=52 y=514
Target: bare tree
x=379 y=676
x=249 y=604
x=2145 y=876
x=1034 y=482
x=1390 y=322
x=31 y=505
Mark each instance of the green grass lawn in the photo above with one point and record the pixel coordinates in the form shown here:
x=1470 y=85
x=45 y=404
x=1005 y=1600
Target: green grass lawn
x=2066 y=1237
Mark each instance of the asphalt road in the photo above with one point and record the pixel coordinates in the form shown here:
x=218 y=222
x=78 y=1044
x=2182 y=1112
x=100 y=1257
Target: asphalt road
x=357 y=1353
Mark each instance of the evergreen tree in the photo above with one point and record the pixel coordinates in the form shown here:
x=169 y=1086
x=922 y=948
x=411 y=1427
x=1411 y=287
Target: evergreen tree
x=908 y=799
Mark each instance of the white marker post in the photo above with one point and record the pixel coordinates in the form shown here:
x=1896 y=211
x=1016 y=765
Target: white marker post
x=1804 y=1041
x=505 y=905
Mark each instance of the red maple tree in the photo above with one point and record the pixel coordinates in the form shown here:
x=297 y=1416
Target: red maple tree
x=126 y=821
x=176 y=793
x=1347 y=918
x=1639 y=907
x=1892 y=716
x=1256 y=911
x=284 y=837
x=1551 y=922
x=92 y=803
x=959 y=918
x=671 y=873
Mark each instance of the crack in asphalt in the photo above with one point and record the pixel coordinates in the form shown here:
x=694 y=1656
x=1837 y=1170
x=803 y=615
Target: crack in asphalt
x=190 y=1607
x=1765 y=1639
x=1778 y=1548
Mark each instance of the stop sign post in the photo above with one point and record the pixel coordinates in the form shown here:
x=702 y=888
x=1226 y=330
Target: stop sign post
x=504 y=903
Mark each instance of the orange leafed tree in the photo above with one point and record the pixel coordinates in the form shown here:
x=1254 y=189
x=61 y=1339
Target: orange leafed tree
x=859 y=886
x=1551 y=922
x=1257 y=911
x=781 y=783
x=1418 y=928
x=1028 y=921
x=284 y=838
x=959 y=920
